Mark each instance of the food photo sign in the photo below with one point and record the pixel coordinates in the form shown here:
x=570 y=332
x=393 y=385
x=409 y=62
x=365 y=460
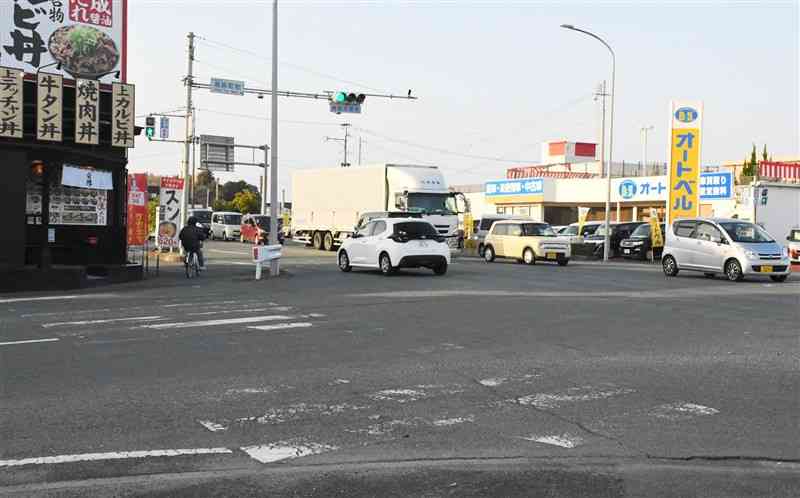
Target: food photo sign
x=88 y=37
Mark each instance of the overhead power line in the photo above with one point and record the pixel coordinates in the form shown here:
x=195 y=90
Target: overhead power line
x=264 y=118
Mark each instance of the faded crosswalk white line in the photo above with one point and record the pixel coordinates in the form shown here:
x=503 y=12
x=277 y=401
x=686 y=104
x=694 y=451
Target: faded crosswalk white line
x=31 y=341
x=120 y=455
x=283 y=326
x=209 y=323
x=55 y=298
x=241 y=310
x=108 y=320
x=276 y=452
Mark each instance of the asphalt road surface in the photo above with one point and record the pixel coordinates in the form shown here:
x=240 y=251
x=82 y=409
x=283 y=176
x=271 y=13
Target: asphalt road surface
x=494 y=380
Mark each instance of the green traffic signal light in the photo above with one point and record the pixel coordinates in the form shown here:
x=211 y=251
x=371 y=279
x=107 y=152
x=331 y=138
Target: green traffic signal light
x=340 y=97
x=150 y=132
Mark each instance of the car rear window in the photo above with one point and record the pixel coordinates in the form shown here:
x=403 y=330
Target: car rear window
x=684 y=228
x=486 y=223
x=415 y=230
x=232 y=219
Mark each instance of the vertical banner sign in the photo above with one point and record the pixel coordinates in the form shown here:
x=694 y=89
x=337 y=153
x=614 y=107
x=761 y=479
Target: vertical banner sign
x=583 y=212
x=684 y=171
x=169 y=227
x=137 y=209
x=87 y=120
x=49 y=106
x=123 y=111
x=656 y=237
x=10 y=103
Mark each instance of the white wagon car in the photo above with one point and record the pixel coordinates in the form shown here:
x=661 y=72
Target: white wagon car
x=391 y=243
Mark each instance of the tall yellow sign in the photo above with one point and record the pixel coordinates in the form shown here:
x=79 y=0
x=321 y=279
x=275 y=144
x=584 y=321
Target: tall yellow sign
x=684 y=170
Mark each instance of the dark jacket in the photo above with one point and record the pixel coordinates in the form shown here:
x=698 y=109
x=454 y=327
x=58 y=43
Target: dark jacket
x=191 y=236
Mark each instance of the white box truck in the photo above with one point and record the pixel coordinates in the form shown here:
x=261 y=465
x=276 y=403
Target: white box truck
x=329 y=203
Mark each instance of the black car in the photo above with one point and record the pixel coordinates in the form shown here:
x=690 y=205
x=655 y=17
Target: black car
x=639 y=244
x=619 y=232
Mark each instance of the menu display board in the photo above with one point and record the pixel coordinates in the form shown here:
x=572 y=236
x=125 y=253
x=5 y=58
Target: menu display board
x=68 y=205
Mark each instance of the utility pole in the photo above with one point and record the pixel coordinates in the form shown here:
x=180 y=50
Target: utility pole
x=604 y=166
x=345 y=126
x=264 y=182
x=194 y=156
x=645 y=129
x=274 y=267
x=187 y=144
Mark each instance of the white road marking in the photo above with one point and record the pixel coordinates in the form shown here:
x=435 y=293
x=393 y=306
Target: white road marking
x=562 y=440
x=445 y=422
x=237 y=253
x=56 y=298
x=339 y=381
x=60 y=313
x=212 y=426
x=121 y=455
x=243 y=310
x=492 y=382
x=584 y=393
x=11 y=343
x=109 y=320
x=399 y=395
x=300 y=410
x=178 y=305
x=283 y=326
x=276 y=452
x=676 y=411
x=211 y=323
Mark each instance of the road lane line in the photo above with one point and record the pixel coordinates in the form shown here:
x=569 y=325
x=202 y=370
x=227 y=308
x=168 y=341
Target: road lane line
x=56 y=298
x=109 y=320
x=276 y=452
x=11 y=343
x=61 y=313
x=243 y=310
x=562 y=440
x=121 y=455
x=209 y=323
x=283 y=326
x=246 y=254
x=178 y=305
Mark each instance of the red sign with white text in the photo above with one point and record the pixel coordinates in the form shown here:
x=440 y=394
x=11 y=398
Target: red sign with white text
x=137 y=209
x=97 y=12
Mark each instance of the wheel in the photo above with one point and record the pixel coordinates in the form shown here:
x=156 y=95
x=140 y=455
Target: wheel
x=481 y=250
x=528 y=257
x=317 y=240
x=563 y=262
x=386 y=264
x=441 y=268
x=192 y=266
x=327 y=242
x=670 y=266
x=778 y=278
x=488 y=254
x=709 y=275
x=733 y=270
x=344 y=262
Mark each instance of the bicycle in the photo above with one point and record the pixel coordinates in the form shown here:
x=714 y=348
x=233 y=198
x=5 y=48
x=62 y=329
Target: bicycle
x=192 y=265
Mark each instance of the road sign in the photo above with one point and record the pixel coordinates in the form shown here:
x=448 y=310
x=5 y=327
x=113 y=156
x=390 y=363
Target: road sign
x=164 y=129
x=228 y=87
x=216 y=153
x=345 y=108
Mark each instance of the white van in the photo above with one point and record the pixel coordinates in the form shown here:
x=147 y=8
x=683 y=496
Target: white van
x=226 y=225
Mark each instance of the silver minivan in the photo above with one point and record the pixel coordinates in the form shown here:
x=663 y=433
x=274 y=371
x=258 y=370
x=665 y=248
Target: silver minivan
x=226 y=225
x=735 y=248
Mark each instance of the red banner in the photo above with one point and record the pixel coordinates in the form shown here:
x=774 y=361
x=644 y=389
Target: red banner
x=137 y=209
x=779 y=169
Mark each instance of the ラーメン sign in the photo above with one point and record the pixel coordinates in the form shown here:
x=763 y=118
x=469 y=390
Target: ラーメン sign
x=86 y=36
x=684 y=169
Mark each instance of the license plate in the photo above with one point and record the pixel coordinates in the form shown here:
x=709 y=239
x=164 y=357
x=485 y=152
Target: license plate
x=551 y=255
x=766 y=269
x=626 y=251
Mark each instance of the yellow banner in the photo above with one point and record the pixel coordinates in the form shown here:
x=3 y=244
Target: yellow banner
x=684 y=184
x=656 y=237
x=468 y=225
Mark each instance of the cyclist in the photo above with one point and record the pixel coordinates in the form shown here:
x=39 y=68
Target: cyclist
x=192 y=237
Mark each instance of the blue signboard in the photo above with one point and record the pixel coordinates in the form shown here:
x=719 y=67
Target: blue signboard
x=526 y=186
x=229 y=87
x=714 y=186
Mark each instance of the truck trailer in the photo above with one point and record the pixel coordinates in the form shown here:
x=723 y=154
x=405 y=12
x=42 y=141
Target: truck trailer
x=329 y=202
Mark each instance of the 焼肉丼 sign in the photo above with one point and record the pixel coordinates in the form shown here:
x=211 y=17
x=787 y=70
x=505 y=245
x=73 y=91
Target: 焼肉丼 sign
x=87 y=112
x=86 y=36
x=170 y=226
x=686 y=119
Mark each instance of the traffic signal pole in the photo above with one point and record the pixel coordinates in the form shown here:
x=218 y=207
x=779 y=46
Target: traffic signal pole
x=189 y=136
x=274 y=265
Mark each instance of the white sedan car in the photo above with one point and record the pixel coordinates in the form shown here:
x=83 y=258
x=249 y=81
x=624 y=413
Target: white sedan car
x=391 y=243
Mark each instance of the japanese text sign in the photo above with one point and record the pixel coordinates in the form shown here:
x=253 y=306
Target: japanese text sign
x=716 y=186
x=86 y=36
x=656 y=237
x=684 y=169
x=515 y=187
x=87 y=112
x=170 y=202
x=137 y=209
x=123 y=108
x=228 y=87
x=345 y=108
x=10 y=103
x=49 y=107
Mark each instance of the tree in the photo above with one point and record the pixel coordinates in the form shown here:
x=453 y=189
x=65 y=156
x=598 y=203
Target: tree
x=230 y=189
x=205 y=179
x=750 y=165
x=246 y=202
x=764 y=155
x=222 y=205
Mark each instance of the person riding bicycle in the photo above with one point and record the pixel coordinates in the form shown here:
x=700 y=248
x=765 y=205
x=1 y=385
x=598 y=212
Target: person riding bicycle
x=192 y=237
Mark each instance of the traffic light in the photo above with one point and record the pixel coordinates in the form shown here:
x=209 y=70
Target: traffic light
x=150 y=127
x=349 y=98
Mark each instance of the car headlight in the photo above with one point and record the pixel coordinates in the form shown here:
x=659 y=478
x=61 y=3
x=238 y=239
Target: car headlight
x=637 y=243
x=751 y=254
x=785 y=252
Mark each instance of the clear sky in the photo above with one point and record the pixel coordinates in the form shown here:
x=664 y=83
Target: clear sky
x=494 y=79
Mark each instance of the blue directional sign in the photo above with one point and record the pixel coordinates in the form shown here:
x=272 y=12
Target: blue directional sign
x=228 y=87
x=345 y=108
x=164 y=128
x=716 y=186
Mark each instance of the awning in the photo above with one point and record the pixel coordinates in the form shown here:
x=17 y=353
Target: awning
x=75 y=176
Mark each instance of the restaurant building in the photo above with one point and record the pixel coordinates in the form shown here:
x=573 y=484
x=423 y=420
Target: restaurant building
x=66 y=123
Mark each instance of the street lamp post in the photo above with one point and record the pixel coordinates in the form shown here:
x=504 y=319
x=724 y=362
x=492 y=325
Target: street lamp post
x=645 y=130
x=274 y=269
x=607 y=241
